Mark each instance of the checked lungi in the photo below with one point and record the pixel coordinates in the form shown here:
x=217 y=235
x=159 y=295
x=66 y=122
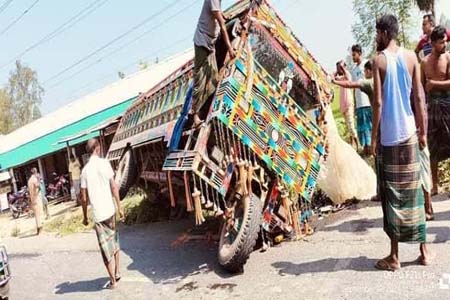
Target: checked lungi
x=205 y=77
x=439 y=125
x=108 y=238
x=400 y=191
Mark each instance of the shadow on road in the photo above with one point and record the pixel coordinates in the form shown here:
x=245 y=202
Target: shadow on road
x=81 y=286
x=361 y=264
x=150 y=247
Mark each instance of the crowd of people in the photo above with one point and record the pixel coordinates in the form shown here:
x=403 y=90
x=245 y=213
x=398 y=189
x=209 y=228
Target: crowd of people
x=402 y=101
x=402 y=113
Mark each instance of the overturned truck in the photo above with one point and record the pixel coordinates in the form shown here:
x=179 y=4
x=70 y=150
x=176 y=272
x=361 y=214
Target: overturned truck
x=255 y=160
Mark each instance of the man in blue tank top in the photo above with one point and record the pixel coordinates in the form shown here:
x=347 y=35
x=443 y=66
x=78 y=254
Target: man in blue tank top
x=397 y=144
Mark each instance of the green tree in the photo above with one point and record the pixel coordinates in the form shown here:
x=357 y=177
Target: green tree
x=25 y=94
x=6 y=118
x=426 y=5
x=367 y=11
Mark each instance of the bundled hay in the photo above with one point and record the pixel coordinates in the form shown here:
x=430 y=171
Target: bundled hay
x=344 y=175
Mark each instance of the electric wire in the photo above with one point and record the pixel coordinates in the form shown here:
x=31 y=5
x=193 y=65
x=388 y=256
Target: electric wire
x=18 y=18
x=99 y=60
x=118 y=38
x=60 y=29
x=5 y=5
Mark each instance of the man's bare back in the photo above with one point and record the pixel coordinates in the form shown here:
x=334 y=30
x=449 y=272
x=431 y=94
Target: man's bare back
x=435 y=68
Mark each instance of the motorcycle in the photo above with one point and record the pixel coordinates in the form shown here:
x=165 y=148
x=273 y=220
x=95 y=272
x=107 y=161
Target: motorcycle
x=59 y=188
x=18 y=202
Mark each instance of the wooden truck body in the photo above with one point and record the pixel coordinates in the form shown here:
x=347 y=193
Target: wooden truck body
x=255 y=160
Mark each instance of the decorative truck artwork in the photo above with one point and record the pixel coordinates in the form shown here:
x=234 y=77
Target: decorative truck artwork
x=254 y=161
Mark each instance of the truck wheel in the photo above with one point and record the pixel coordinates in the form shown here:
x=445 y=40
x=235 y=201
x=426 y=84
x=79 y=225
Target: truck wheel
x=126 y=173
x=15 y=214
x=236 y=245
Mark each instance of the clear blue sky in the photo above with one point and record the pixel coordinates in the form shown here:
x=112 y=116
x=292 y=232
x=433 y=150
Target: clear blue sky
x=324 y=26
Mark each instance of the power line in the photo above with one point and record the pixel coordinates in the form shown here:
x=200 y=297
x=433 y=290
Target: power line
x=73 y=94
x=19 y=18
x=5 y=5
x=183 y=9
x=62 y=28
x=135 y=27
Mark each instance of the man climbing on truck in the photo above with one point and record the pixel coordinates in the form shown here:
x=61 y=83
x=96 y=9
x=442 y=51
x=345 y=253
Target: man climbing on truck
x=210 y=24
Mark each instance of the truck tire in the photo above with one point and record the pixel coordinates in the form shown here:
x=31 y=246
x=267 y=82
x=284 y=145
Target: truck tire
x=235 y=250
x=126 y=172
x=15 y=214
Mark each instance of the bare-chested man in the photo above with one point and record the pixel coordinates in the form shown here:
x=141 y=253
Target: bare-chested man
x=436 y=80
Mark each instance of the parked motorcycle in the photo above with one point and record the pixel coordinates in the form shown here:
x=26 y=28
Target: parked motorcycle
x=18 y=202
x=59 y=188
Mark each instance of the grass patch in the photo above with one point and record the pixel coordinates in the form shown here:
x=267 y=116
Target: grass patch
x=139 y=207
x=444 y=174
x=69 y=223
x=338 y=116
x=15 y=231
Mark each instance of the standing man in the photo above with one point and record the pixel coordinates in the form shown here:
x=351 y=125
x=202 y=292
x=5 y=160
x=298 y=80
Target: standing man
x=35 y=198
x=396 y=74
x=75 y=173
x=436 y=79
x=366 y=86
x=97 y=181
x=210 y=24
x=363 y=109
x=428 y=24
x=346 y=105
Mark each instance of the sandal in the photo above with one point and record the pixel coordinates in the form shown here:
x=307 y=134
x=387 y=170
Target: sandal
x=109 y=285
x=429 y=217
x=383 y=265
x=118 y=277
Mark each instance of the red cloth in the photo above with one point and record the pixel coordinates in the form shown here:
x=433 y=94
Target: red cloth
x=425 y=40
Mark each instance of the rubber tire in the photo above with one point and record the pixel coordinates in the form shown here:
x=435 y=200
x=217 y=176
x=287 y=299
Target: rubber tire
x=234 y=257
x=15 y=214
x=127 y=172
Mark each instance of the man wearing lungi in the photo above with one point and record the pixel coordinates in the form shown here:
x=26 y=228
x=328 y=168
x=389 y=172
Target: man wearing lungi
x=97 y=182
x=75 y=173
x=210 y=24
x=396 y=143
x=436 y=79
x=35 y=199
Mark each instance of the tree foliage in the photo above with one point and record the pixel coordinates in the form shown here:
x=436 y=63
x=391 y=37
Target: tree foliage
x=426 y=5
x=6 y=119
x=367 y=11
x=25 y=95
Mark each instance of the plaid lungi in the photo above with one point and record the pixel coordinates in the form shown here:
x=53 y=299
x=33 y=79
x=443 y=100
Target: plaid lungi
x=400 y=191
x=439 y=126
x=108 y=238
x=425 y=170
x=205 y=77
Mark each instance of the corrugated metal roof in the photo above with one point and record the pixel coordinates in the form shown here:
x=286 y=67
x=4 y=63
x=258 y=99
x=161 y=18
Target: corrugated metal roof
x=41 y=136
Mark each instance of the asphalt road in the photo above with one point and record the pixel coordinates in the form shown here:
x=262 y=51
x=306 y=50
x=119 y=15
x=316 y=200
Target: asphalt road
x=335 y=263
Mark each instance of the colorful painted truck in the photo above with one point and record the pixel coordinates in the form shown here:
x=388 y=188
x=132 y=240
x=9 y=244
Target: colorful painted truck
x=254 y=161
